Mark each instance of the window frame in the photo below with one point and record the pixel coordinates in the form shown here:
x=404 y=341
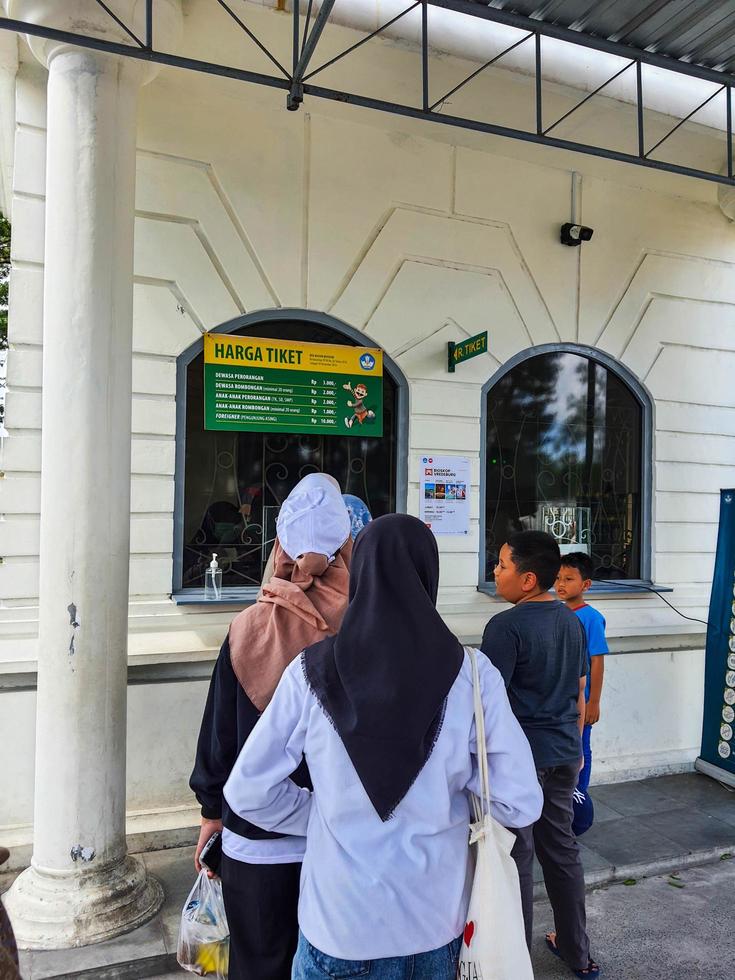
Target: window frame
x=247 y=594
x=642 y=396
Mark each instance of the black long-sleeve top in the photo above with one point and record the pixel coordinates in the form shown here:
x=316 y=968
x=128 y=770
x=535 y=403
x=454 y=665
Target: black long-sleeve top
x=229 y=718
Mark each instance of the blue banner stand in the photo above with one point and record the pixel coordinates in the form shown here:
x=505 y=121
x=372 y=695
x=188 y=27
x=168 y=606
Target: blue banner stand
x=717 y=756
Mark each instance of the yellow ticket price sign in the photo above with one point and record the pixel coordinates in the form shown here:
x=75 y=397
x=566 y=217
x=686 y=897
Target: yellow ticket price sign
x=256 y=385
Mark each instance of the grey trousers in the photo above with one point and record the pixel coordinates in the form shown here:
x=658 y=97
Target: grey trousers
x=557 y=850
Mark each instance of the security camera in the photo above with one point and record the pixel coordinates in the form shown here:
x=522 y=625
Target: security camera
x=574 y=234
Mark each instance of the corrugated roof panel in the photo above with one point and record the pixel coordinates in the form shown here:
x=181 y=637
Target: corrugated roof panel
x=698 y=31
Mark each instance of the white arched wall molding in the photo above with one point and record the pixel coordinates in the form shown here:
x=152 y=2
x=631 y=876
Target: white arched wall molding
x=674 y=326
x=449 y=241
x=414 y=241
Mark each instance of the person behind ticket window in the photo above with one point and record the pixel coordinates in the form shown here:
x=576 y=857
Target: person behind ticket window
x=384 y=714
x=360 y=516
x=302 y=602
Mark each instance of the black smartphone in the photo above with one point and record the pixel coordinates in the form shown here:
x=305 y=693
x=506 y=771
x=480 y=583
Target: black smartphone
x=211 y=854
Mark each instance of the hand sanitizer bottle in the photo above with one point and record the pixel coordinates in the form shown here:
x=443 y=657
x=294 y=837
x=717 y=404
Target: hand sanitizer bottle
x=213 y=580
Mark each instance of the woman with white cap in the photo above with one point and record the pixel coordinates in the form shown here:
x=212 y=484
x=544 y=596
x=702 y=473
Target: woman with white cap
x=302 y=603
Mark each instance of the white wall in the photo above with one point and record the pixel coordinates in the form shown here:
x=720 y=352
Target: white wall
x=416 y=241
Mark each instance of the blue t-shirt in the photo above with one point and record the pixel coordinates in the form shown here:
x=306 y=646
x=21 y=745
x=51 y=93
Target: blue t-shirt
x=594 y=628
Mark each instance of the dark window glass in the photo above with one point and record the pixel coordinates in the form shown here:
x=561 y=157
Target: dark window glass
x=564 y=455
x=235 y=482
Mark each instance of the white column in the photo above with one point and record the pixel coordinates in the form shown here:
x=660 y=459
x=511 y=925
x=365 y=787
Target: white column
x=82 y=886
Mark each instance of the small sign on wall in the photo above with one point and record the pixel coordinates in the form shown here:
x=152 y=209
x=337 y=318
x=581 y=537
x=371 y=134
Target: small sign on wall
x=457 y=353
x=444 y=489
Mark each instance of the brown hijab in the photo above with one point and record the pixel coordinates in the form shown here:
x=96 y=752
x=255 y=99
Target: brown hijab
x=303 y=602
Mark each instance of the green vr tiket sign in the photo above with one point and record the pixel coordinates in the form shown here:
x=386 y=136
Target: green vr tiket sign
x=457 y=353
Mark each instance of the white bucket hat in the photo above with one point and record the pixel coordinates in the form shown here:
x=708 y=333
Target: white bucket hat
x=313 y=518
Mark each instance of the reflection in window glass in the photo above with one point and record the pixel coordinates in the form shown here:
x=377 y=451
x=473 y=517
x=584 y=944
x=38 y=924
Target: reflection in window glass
x=563 y=451
x=235 y=482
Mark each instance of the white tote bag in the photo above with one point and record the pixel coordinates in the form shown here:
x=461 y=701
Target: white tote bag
x=494 y=941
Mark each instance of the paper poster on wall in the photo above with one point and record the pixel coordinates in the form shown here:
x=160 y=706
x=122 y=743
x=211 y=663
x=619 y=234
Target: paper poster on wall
x=444 y=488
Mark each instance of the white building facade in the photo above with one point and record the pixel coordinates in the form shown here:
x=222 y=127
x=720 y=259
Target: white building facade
x=186 y=203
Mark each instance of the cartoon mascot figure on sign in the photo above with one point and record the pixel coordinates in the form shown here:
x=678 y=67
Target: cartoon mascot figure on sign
x=359 y=393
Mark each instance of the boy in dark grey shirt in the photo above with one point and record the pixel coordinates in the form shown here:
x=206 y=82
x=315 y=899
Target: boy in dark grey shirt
x=539 y=647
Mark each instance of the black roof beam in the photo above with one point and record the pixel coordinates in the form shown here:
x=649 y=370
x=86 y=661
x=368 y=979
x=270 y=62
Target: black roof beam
x=363 y=40
x=297 y=83
x=681 y=122
x=589 y=96
x=479 y=70
x=120 y=22
x=478 y=126
x=296 y=95
x=258 y=43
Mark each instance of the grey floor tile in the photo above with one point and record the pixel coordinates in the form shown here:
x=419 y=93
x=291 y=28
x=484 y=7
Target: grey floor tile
x=603 y=811
x=160 y=863
x=691 y=828
x=591 y=860
x=724 y=811
x=139 y=944
x=692 y=789
x=175 y=870
x=25 y=959
x=170 y=924
x=631 y=799
x=628 y=841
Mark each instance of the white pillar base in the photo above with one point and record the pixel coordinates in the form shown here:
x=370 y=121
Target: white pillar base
x=53 y=911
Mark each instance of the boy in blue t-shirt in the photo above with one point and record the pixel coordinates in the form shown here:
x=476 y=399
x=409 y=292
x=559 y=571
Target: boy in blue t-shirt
x=573 y=580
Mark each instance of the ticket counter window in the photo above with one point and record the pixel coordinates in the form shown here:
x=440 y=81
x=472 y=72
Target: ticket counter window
x=235 y=482
x=563 y=455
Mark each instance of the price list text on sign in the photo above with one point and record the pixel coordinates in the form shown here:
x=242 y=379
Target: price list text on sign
x=257 y=385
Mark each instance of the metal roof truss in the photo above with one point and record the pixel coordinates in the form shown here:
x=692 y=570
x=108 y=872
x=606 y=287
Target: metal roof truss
x=307 y=32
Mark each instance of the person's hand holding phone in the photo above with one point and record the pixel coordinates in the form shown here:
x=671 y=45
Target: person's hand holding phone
x=208 y=828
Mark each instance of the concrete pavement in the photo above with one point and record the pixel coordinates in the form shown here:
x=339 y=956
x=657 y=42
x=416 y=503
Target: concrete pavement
x=652 y=929
x=660 y=928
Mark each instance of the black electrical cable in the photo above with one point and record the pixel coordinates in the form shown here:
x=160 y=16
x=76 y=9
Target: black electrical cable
x=693 y=619
x=647 y=588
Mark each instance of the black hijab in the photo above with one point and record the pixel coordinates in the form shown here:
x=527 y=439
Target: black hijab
x=384 y=678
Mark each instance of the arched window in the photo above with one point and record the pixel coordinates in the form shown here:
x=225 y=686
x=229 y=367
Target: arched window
x=230 y=485
x=567 y=450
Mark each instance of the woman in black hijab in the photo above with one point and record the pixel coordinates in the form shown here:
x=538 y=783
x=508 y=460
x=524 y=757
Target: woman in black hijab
x=384 y=713
x=365 y=678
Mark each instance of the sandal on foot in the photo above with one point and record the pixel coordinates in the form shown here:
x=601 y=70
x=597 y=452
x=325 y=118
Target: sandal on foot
x=590 y=973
